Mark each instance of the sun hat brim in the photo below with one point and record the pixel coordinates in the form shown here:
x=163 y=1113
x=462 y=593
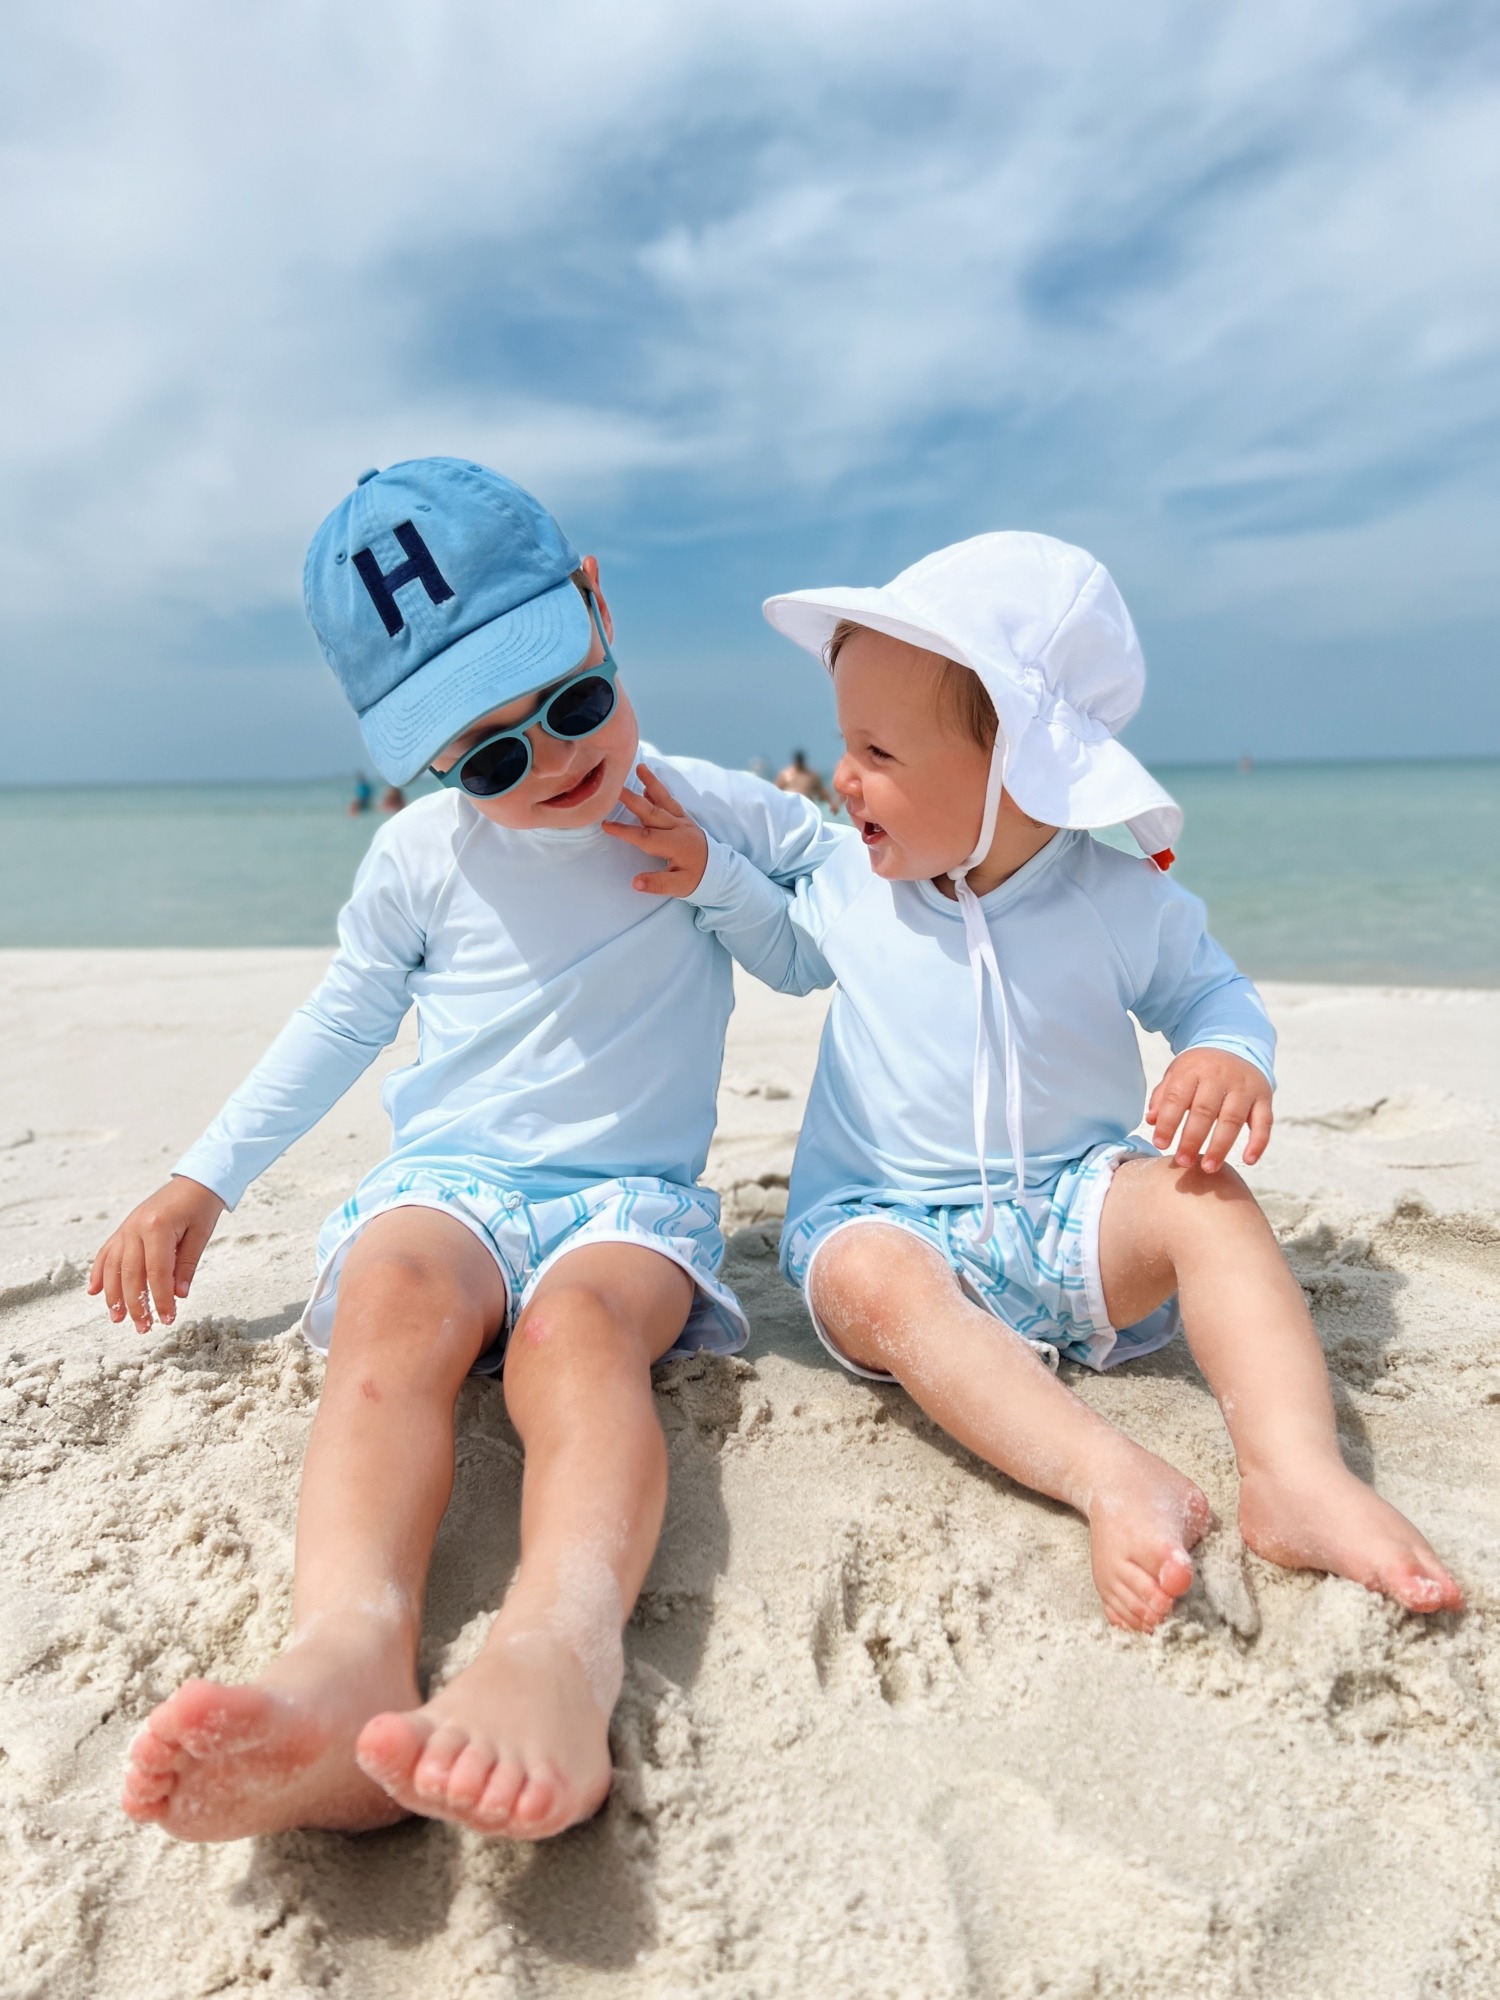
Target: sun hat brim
x=524 y=649
x=811 y=617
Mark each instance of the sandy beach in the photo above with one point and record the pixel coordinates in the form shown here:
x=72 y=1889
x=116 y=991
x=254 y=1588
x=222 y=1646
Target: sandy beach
x=876 y=1737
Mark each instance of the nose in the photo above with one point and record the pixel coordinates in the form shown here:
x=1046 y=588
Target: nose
x=845 y=778
x=548 y=753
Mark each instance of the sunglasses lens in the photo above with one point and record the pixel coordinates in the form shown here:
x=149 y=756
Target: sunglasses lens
x=495 y=768
x=582 y=708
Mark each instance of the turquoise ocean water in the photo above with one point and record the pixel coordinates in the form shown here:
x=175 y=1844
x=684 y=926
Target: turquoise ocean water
x=1369 y=872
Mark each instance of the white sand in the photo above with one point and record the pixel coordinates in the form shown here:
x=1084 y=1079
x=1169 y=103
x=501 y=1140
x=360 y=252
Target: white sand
x=876 y=1737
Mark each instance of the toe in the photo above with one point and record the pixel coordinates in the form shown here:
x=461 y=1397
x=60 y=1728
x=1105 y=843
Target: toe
x=443 y=1749
x=1176 y=1573
x=1151 y=1603
x=1423 y=1589
x=150 y=1752
x=470 y=1775
x=388 y=1747
x=144 y=1811
x=501 y=1791
x=534 y=1806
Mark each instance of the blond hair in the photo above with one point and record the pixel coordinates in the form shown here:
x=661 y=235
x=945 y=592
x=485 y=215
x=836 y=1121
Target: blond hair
x=962 y=697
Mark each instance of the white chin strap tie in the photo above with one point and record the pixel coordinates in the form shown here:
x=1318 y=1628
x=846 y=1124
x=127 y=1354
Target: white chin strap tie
x=986 y=970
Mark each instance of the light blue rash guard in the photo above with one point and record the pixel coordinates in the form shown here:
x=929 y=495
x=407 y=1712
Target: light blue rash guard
x=1085 y=937
x=571 y=1029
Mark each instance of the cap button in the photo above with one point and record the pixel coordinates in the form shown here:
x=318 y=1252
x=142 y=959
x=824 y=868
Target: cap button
x=371 y=474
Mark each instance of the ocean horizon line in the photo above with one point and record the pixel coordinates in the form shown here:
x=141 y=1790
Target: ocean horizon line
x=1237 y=765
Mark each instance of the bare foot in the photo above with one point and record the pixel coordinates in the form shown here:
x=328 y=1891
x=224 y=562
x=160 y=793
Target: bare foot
x=219 y=1763
x=1144 y=1517
x=1321 y=1517
x=517 y=1744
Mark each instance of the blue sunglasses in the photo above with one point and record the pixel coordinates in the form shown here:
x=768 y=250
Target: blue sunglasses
x=574 y=709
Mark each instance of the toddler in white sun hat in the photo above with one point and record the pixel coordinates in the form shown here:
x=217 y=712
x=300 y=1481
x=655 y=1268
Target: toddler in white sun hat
x=960 y=1239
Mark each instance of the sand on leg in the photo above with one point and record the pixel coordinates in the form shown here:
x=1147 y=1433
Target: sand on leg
x=891 y=1302
x=1167 y=1228
x=419 y=1298
x=518 y=1743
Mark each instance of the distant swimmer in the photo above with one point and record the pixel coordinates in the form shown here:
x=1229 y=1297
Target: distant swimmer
x=392 y=799
x=364 y=792
x=799 y=777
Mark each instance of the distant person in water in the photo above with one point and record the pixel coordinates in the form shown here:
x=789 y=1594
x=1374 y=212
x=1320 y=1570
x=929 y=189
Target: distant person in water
x=392 y=799
x=799 y=777
x=364 y=792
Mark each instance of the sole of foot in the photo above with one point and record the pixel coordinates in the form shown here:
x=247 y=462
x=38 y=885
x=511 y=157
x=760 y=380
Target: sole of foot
x=1328 y=1519
x=517 y=1746
x=222 y=1763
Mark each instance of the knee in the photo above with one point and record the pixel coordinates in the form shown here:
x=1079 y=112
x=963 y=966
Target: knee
x=571 y=1318
x=860 y=1259
x=1208 y=1191
x=865 y=1279
x=406 y=1314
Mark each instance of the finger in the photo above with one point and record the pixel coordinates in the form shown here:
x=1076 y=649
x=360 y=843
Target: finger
x=633 y=836
x=643 y=809
x=1151 y=1105
x=96 y=1273
x=1200 y=1122
x=657 y=792
x=661 y=882
x=189 y=1250
x=133 y=1291
x=1262 y=1118
x=1227 y=1128
x=1170 y=1112
x=112 y=1294
x=161 y=1260
x=656 y=807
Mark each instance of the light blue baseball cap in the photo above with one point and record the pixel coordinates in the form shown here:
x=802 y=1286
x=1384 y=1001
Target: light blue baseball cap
x=440 y=590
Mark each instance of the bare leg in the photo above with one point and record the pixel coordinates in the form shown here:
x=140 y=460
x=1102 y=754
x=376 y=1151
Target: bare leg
x=1166 y=1228
x=518 y=1743
x=419 y=1298
x=891 y=1302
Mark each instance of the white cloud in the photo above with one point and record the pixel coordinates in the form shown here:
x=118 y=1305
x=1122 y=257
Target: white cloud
x=1216 y=290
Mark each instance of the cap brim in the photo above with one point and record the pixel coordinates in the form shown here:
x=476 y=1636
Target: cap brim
x=540 y=641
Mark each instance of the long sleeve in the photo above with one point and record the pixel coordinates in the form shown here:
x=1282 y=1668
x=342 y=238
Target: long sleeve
x=328 y=1043
x=757 y=922
x=1196 y=996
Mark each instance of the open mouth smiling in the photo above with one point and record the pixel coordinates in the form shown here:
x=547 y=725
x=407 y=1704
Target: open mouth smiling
x=576 y=795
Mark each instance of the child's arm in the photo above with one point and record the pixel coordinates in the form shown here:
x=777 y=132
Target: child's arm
x=327 y=1044
x=755 y=920
x=1222 y=1077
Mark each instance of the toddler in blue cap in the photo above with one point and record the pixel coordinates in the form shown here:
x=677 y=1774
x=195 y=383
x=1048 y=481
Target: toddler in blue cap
x=539 y=1211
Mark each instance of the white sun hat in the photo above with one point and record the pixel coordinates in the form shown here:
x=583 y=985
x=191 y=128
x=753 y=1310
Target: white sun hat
x=1047 y=632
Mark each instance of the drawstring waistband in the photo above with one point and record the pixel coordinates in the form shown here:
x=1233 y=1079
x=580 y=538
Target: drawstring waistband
x=986 y=970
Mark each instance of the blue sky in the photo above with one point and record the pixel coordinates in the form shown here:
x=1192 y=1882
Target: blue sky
x=754 y=299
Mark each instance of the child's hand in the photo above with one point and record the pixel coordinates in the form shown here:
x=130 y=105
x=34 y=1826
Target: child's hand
x=1217 y=1094
x=155 y=1251
x=666 y=833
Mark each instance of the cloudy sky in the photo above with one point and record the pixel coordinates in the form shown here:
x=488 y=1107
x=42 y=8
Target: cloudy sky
x=754 y=298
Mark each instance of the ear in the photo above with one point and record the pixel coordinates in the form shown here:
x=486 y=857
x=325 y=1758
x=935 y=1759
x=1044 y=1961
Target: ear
x=591 y=571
